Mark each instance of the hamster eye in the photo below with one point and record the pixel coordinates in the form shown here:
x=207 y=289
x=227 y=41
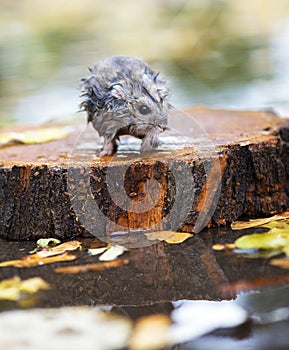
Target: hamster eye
x=144 y=110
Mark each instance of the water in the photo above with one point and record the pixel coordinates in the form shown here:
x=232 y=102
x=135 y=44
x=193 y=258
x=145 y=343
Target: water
x=159 y=276
x=220 y=54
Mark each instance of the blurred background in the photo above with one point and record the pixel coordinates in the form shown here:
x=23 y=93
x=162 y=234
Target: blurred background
x=231 y=54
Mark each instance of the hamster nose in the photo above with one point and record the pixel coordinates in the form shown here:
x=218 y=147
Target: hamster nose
x=162 y=127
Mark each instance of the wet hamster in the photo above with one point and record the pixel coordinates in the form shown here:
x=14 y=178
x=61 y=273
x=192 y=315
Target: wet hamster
x=124 y=96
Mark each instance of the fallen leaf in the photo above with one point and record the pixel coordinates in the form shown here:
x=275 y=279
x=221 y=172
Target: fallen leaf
x=266 y=245
x=170 y=237
x=32 y=136
x=282 y=226
x=242 y=225
x=273 y=239
x=112 y=252
x=96 y=251
x=92 y=267
x=47 y=242
x=151 y=332
x=34 y=261
x=220 y=246
x=59 y=249
x=33 y=285
x=10 y=293
x=13 y=288
x=284 y=263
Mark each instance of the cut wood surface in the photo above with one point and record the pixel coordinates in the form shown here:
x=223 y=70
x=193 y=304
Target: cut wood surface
x=241 y=169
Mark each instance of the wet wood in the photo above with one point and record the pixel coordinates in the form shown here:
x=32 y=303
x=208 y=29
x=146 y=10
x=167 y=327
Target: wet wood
x=43 y=188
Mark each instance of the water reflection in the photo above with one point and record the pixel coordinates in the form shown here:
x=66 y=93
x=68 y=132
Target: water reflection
x=159 y=275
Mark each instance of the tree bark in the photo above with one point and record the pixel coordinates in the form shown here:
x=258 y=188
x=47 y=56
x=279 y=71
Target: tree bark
x=241 y=169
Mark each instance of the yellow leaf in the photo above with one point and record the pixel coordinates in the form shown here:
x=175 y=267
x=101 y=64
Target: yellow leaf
x=178 y=237
x=33 y=136
x=220 y=246
x=59 y=249
x=47 y=242
x=282 y=226
x=267 y=240
x=170 y=237
x=92 y=267
x=26 y=262
x=242 y=225
x=276 y=238
x=33 y=285
x=284 y=263
x=11 y=294
x=151 y=332
x=9 y=282
x=13 y=288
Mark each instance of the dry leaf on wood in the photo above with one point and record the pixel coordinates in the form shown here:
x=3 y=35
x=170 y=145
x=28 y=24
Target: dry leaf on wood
x=32 y=136
x=242 y=225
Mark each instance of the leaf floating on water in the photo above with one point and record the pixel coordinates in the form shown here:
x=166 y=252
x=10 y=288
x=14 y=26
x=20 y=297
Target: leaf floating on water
x=112 y=252
x=46 y=256
x=220 y=246
x=32 y=136
x=33 y=285
x=268 y=240
x=170 y=237
x=284 y=263
x=47 y=242
x=281 y=226
x=276 y=238
x=178 y=237
x=59 y=249
x=151 y=332
x=33 y=260
x=13 y=288
x=97 y=251
x=267 y=245
x=242 y=225
x=92 y=267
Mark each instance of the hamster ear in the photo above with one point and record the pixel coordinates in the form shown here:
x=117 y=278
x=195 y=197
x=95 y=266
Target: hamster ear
x=117 y=91
x=163 y=92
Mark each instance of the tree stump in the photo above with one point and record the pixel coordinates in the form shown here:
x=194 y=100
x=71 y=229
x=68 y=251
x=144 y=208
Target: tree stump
x=239 y=166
